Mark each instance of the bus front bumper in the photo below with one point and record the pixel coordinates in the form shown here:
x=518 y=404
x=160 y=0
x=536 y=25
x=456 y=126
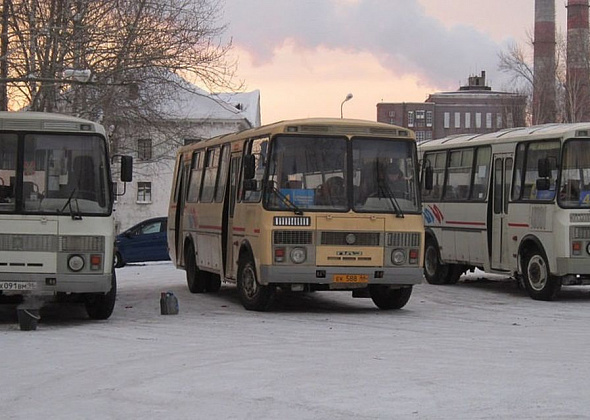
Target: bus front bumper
x=399 y=276
x=44 y=283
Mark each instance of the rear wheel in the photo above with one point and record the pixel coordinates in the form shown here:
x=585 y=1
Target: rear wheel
x=195 y=278
x=386 y=297
x=101 y=305
x=213 y=283
x=538 y=281
x=119 y=260
x=253 y=295
x=435 y=272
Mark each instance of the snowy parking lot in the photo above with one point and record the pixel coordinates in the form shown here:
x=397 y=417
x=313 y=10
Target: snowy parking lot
x=478 y=350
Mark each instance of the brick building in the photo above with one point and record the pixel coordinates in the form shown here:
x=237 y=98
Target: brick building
x=474 y=108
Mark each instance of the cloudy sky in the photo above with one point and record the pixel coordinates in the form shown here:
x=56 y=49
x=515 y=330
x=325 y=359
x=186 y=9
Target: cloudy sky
x=306 y=55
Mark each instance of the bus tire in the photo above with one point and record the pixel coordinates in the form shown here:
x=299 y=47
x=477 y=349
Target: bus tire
x=455 y=273
x=195 y=278
x=214 y=283
x=538 y=281
x=435 y=272
x=387 y=298
x=253 y=295
x=100 y=305
x=119 y=260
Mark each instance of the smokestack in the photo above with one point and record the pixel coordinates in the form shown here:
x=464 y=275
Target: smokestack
x=544 y=108
x=578 y=74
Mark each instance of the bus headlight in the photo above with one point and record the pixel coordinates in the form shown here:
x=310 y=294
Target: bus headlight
x=76 y=262
x=298 y=255
x=398 y=256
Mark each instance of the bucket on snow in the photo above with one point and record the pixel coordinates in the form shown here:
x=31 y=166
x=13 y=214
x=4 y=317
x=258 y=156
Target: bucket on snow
x=168 y=303
x=28 y=318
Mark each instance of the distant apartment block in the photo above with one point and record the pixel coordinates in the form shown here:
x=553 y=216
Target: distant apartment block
x=474 y=108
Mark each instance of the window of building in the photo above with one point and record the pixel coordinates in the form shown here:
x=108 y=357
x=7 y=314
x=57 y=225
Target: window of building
x=420 y=136
x=144 y=149
x=457 y=120
x=478 y=120
x=488 y=120
x=428 y=135
x=420 y=114
x=498 y=120
x=392 y=121
x=428 y=118
x=391 y=114
x=144 y=192
x=447 y=120
x=509 y=120
x=468 y=120
x=410 y=118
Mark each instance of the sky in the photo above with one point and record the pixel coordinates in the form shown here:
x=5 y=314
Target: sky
x=305 y=56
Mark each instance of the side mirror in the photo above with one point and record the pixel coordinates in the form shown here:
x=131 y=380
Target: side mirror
x=544 y=168
x=428 y=178
x=249 y=167
x=126 y=168
x=543 y=184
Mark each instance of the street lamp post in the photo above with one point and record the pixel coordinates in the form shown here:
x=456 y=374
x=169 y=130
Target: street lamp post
x=348 y=98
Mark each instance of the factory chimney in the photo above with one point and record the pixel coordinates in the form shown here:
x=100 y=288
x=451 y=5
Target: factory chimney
x=544 y=108
x=578 y=73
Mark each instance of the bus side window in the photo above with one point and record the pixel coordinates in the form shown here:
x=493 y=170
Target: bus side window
x=258 y=148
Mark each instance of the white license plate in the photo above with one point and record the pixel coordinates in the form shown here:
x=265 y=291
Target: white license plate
x=16 y=286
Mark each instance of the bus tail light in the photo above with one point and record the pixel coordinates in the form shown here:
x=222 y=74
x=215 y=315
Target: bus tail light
x=279 y=254
x=95 y=262
x=576 y=248
x=414 y=256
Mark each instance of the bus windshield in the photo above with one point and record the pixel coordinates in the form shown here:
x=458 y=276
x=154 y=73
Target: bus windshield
x=574 y=190
x=54 y=174
x=313 y=173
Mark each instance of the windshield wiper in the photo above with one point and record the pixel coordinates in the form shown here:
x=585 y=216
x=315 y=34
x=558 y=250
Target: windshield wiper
x=76 y=215
x=286 y=200
x=386 y=191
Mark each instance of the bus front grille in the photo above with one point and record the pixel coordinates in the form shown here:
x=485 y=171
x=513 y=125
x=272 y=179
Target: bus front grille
x=293 y=237
x=350 y=238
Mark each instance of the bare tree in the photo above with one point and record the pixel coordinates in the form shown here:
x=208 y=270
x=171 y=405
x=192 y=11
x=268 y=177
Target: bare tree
x=112 y=60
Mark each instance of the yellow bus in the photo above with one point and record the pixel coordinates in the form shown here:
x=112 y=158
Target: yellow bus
x=301 y=205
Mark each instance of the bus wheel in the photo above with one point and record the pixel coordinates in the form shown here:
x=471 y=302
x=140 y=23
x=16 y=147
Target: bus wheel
x=195 y=278
x=434 y=271
x=101 y=305
x=384 y=297
x=539 y=283
x=119 y=260
x=253 y=295
x=214 y=283
x=455 y=273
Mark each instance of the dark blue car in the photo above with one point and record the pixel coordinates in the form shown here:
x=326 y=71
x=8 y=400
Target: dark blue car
x=145 y=241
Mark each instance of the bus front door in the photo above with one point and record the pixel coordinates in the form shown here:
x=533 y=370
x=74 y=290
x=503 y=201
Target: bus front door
x=183 y=176
x=502 y=177
x=229 y=242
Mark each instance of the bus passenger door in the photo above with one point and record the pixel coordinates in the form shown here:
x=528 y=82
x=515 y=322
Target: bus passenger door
x=230 y=248
x=183 y=176
x=502 y=178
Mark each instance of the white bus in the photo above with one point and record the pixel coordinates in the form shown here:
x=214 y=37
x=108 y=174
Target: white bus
x=56 y=204
x=301 y=205
x=514 y=202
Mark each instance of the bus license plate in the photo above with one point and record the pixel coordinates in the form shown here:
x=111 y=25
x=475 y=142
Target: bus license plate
x=351 y=278
x=16 y=286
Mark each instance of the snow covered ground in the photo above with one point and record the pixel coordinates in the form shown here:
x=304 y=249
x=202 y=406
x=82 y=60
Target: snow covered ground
x=478 y=350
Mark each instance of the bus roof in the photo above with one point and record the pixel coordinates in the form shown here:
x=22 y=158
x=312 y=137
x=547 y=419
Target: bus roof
x=313 y=126
x=46 y=121
x=536 y=132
